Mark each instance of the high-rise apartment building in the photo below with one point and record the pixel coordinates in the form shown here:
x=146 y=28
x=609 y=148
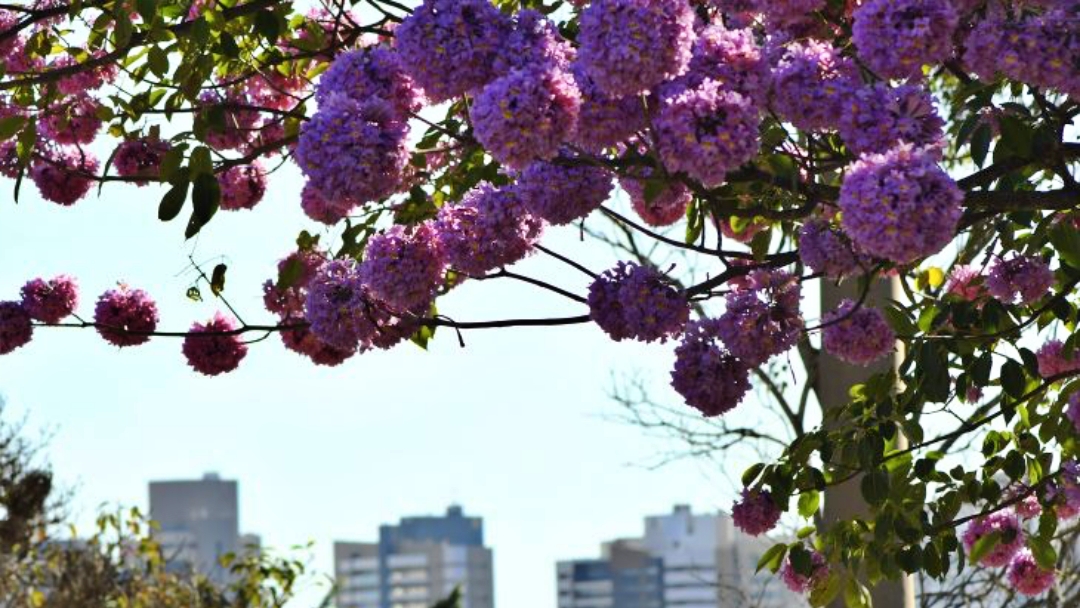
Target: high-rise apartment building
x=682 y=561
x=416 y=563
x=199 y=522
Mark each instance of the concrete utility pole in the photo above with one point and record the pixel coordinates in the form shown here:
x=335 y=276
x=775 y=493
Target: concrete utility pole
x=834 y=379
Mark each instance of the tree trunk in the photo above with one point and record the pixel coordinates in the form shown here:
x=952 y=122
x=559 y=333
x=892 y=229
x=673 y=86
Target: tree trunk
x=834 y=379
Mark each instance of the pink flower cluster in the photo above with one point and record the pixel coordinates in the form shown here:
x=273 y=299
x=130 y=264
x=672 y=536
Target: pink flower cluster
x=125 y=316
x=50 y=301
x=1053 y=362
x=756 y=513
x=211 y=349
x=1004 y=523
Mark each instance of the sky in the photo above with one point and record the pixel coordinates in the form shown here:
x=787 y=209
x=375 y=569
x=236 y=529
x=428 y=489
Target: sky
x=517 y=427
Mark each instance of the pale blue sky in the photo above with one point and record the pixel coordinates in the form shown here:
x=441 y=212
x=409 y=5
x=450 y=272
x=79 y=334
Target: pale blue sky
x=512 y=427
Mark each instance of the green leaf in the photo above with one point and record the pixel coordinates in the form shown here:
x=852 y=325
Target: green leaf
x=984 y=546
x=821 y=595
x=217 y=279
x=10 y=126
x=773 y=558
x=980 y=144
x=856 y=595
x=268 y=26
x=875 y=486
x=173 y=202
x=1017 y=136
x=750 y=475
x=980 y=372
x=808 y=504
x=158 y=61
x=205 y=197
x=200 y=161
x=1043 y=552
x=147 y=9
x=801 y=561
x=1012 y=379
x=1066 y=241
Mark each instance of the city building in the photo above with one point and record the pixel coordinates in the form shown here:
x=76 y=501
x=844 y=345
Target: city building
x=416 y=563
x=682 y=561
x=199 y=522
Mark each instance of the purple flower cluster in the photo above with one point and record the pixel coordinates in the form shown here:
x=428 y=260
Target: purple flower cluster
x=637 y=302
x=965 y=282
x=526 y=115
x=450 y=47
x=876 y=118
x=211 y=351
x=1040 y=50
x=124 y=316
x=534 y=41
x=756 y=513
x=809 y=83
x=74 y=121
x=371 y=72
x=562 y=193
x=706 y=132
x=353 y=151
x=733 y=57
x=1012 y=537
x=1052 y=360
x=709 y=378
x=782 y=14
x=762 y=320
x=489 y=228
x=242 y=186
x=341 y=310
x=404 y=268
x=1026 y=277
x=824 y=249
x=630 y=46
x=50 y=301
x=897 y=37
x=900 y=205
x=16 y=327
x=605 y=121
x=800 y=583
x=140 y=158
x=63 y=176
x=1072 y=412
x=860 y=337
x=666 y=206
x=1027 y=576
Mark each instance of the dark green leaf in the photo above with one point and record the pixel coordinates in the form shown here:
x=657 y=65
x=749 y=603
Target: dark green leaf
x=875 y=486
x=217 y=279
x=1012 y=379
x=1066 y=240
x=173 y=202
x=10 y=126
x=268 y=26
x=980 y=144
x=147 y=9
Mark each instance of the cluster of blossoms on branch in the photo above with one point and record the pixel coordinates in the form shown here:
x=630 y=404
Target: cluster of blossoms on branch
x=813 y=135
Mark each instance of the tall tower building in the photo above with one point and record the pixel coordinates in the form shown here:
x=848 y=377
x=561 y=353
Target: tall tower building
x=416 y=563
x=682 y=561
x=199 y=522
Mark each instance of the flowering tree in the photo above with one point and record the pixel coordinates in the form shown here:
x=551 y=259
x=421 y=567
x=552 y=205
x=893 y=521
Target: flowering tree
x=926 y=142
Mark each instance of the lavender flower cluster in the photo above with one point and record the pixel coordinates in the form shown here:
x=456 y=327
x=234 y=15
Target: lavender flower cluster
x=763 y=320
x=899 y=205
x=637 y=302
x=857 y=334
